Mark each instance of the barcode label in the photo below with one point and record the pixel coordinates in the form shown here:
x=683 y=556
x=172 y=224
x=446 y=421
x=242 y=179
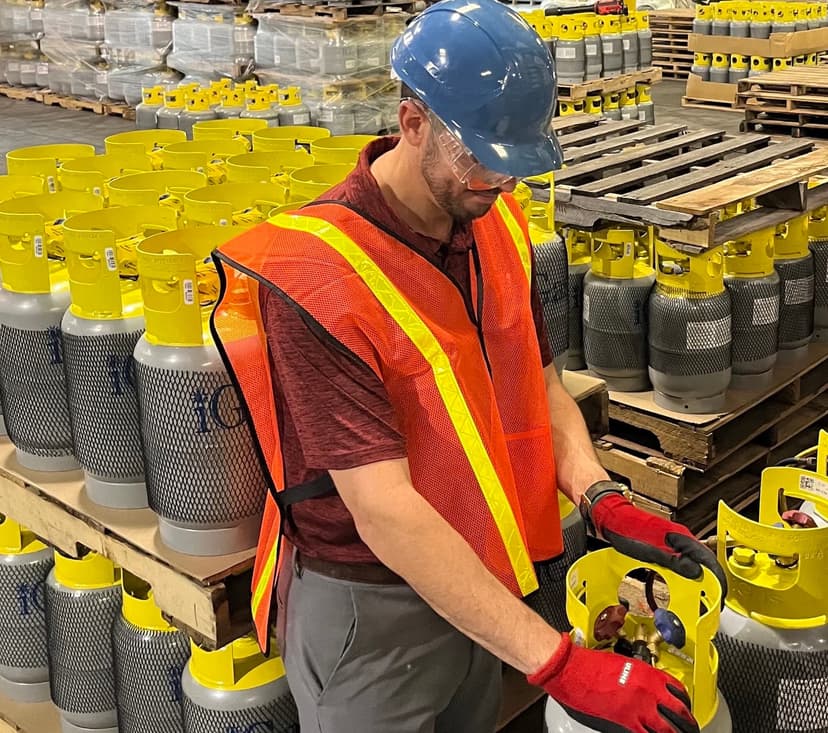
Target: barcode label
x=189 y=298
x=38 y=245
x=591 y=49
x=565 y=53
x=50 y=183
x=302 y=119
x=814 y=485
x=626 y=44
x=111 y=262
x=608 y=48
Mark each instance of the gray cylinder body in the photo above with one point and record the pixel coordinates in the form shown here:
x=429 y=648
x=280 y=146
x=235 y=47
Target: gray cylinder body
x=33 y=381
x=297 y=114
x=148 y=669
x=103 y=405
x=703 y=72
x=204 y=479
x=646 y=112
x=612 y=47
x=553 y=288
x=269 y=115
x=629 y=52
x=613 y=114
x=188 y=118
x=720 y=27
x=570 y=60
x=615 y=330
x=740 y=28
x=81 y=674
x=338 y=117
x=266 y=709
x=549 y=600
x=368 y=119
x=702 y=26
x=760 y=29
x=779 y=27
x=796 y=302
x=720 y=74
x=819 y=249
x=734 y=76
x=594 y=55
x=629 y=112
x=690 y=359
x=575 y=352
x=146 y=116
x=754 y=328
x=645 y=48
x=167 y=119
x=801 y=25
x=24 y=663
x=774 y=679
x=338 y=58
x=228 y=113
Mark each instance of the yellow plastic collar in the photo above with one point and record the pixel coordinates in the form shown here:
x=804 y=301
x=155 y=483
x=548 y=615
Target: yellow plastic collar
x=145 y=189
x=241 y=128
x=620 y=253
x=792 y=239
x=339 y=150
x=761 y=587
x=267 y=167
x=277 y=139
x=290 y=96
x=27 y=226
x=96 y=263
x=217 y=204
x=174 y=98
x=44 y=160
x=693 y=275
x=17 y=540
x=232 y=99
x=751 y=256
x=93 y=174
x=143 y=142
x=12 y=187
x=238 y=666
x=138 y=604
x=198 y=102
x=307 y=184
x=571 y=29
x=203 y=156
x=579 y=246
x=258 y=101
x=592 y=585
x=173 y=268
x=87 y=572
x=153 y=96
x=610 y=25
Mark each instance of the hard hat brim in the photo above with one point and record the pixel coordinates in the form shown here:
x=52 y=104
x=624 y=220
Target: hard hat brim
x=521 y=160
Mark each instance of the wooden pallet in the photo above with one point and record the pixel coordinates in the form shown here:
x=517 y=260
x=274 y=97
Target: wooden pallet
x=337 y=10
x=702 y=441
x=716 y=104
x=797 y=127
x=41 y=717
x=92 y=105
x=33 y=94
x=606 y=85
x=680 y=180
x=671 y=29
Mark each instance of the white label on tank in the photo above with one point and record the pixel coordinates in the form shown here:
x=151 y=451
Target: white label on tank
x=38 y=245
x=36 y=14
x=794 y=709
x=42 y=69
x=565 y=53
x=373 y=62
x=626 y=44
x=325 y=116
x=628 y=249
x=101 y=77
x=707 y=334
x=277 y=60
x=642 y=115
x=591 y=49
x=189 y=298
x=586 y=308
x=608 y=49
x=814 y=485
x=303 y=119
x=350 y=63
x=111 y=262
x=799 y=291
x=765 y=311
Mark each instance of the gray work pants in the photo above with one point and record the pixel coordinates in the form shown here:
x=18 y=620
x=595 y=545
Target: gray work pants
x=363 y=658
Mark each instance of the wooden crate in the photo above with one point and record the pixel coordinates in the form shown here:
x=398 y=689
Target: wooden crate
x=606 y=85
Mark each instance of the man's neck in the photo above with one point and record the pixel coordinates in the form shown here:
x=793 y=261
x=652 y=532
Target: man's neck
x=406 y=192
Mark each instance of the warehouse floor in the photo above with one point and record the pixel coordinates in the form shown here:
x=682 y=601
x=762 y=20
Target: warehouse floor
x=30 y=123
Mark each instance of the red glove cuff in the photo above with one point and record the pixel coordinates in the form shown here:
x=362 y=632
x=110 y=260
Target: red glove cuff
x=605 y=507
x=555 y=664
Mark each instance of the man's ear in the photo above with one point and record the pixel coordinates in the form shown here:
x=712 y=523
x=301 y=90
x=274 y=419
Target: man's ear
x=414 y=124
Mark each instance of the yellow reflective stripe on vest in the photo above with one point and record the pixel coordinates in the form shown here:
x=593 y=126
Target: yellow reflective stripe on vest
x=456 y=407
x=516 y=231
x=266 y=578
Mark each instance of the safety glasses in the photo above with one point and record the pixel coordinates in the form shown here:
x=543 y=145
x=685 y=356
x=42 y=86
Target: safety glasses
x=463 y=164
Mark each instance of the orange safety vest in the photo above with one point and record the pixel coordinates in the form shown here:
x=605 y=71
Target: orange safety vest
x=468 y=387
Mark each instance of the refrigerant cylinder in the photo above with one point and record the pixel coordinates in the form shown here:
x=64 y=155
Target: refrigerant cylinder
x=579 y=250
x=204 y=479
x=702 y=22
x=760 y=22
x=645 y=40
x=552 y=277
x=592 y=46
x=34 y=296
x=549 y=600
x=794 y=264
x=615 y=308
x=45 y=161
x=596 y=583
x=83 y=597
x=773 y=638
x=237 y=688
x=754 y=297
x=690 y=331
x=818 y=244
x=570 y=52
x=143 y=142
x=231 y=204
x=150 y=656
x=100 y=330
x=204 y=156
x=629 y=41
x=612 y=45
x=24 y=564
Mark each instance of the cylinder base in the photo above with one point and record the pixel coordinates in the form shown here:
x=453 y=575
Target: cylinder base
x=619 y=383
x=67 y=727
x=751 y=382
x=208 y=542
x=690 y=405
x=27 y=692
x=104 y=722
x=789 y=355
x=3 y=425
x=116 y=495
x=820 y=334
x=46 y=463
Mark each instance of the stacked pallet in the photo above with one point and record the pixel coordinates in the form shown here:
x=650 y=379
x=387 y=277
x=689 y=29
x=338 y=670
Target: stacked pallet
x=671 y=30
x=794 y=101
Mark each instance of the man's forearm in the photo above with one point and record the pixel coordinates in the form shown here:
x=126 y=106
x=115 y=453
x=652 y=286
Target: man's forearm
x=576 y=464
x=408 y=535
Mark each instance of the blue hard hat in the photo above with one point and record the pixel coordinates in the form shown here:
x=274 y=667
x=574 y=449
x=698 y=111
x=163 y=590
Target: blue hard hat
x=489 y=77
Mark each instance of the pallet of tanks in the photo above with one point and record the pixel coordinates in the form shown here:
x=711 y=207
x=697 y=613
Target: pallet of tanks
x=691 y=232
x=794 y=101
x=671 y=30
x=734 y=40
x=623 y=97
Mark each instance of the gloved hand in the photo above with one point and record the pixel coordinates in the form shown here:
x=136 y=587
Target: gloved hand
x=646 y=537
x=614 y=694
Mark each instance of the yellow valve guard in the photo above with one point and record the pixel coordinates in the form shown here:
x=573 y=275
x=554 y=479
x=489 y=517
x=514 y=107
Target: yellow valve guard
x=308 y=183
x=238 y=666
x=620 y=253
x=339 y=150
x=12 y=187
x=689 y=275
x=45 y=160
x=273 y=167
x=148 y=189
x=138 y=604
x=224 y=204
x=86 y=573
x=275 y=139
x=17 y=540
x=144 y=142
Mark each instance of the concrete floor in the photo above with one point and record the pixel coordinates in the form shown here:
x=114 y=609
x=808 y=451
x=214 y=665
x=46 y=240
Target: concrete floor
x=30 y=123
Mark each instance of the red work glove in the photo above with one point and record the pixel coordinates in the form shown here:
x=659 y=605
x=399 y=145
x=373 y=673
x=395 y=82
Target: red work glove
x=613 y=694
x=646 y=537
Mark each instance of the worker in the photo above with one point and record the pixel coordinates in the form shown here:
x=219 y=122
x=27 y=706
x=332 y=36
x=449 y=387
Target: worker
x=389 y=345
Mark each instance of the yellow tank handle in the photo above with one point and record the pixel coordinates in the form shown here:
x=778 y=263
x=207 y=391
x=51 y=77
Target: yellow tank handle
x=690 y=275
x=238 y=666
x=16 y=539
x=89 y=572
x=792 y=238
x=93 y=174
x=45 y=160
x=239 y=128
x=275 y=139
x=231 y=203
x=750 y=256
x=308 y=183
x=12 y=187
x=272 y=167
x=138 y=604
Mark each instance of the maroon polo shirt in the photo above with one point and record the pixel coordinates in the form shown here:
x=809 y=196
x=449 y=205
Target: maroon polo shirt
x=334 y=413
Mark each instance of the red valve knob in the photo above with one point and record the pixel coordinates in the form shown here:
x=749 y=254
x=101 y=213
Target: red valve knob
x=609 y=622
x=798 y=519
